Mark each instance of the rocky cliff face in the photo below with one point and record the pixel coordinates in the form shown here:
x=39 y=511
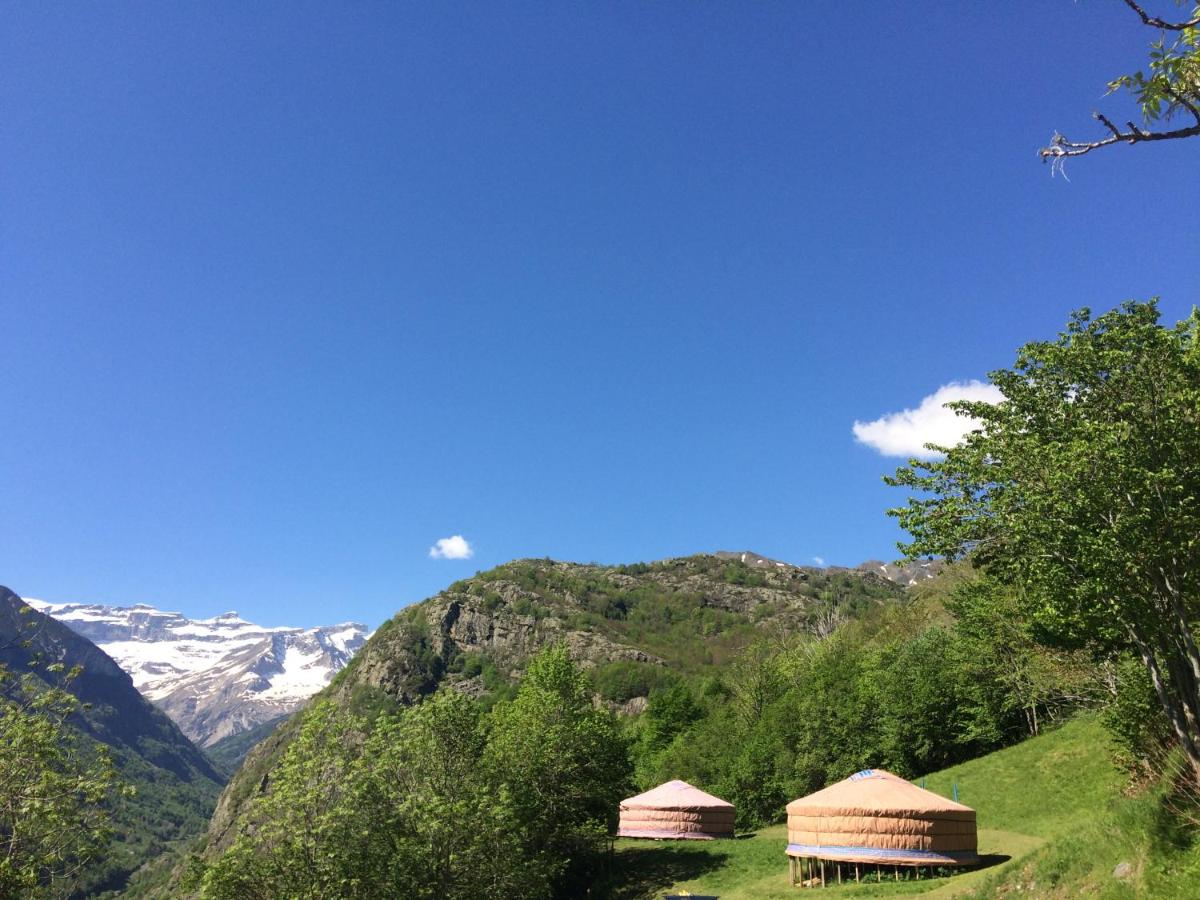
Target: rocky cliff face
x=214 y=677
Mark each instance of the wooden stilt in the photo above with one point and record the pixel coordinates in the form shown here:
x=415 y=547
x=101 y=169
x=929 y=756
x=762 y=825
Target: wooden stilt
x=792 y=870
x=856 y=873
x=897 y=868
x=822 y=873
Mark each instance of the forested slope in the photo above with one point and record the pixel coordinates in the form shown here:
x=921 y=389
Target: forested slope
x=175 y=784
x=634 y=628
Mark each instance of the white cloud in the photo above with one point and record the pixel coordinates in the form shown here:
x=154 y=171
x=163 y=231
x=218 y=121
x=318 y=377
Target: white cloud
x=819 y=560
x=455 y=547
x=906 y=433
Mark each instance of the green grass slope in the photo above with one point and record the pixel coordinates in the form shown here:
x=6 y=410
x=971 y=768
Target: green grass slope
x=1040 y=801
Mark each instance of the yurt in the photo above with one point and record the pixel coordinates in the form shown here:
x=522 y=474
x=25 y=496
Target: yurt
x=674 y=811
x=875 y=818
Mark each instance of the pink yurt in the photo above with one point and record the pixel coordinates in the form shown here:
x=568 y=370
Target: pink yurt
x=675 y=811
x=875 y=818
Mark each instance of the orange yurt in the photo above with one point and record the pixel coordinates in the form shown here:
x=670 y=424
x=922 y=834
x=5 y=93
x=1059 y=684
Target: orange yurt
x=878 y=818
x=675 y=811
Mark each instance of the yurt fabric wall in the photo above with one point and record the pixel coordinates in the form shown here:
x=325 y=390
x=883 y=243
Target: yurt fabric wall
x=676 y=810
x=875 y=817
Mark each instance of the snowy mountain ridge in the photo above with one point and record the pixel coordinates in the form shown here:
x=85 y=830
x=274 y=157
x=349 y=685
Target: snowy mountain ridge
x=215 y=677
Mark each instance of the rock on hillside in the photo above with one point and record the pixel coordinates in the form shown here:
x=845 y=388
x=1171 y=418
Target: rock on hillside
x=906 y=574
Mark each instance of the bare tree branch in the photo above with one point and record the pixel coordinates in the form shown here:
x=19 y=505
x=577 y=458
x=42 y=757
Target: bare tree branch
x=1155 y=22
x=1060 y=148
x=1172 y=82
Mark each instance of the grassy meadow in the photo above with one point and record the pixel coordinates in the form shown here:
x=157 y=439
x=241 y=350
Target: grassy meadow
x=1052 y=817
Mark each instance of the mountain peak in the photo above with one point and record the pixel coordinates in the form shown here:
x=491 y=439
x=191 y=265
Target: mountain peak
x=230 y=617
x=750 y=558
x=219 y=676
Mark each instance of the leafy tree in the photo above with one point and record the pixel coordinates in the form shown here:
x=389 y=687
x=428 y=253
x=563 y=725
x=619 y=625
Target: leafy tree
x=438 y=826
x=1141 y=734
x=670 y=712
x=1000 y=647
x=56 y=792
x=439 y=801
x=1082 y=489
x=757 y=678
x=303 y=839
x=1169 y=86
x=563 y=762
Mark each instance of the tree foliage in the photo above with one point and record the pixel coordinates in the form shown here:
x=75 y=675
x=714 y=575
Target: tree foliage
x=56 y=792
x=437 y=802
x=564 y=765
x=1082 y=489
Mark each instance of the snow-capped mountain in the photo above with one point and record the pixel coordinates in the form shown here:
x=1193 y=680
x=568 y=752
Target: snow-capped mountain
x=215 y=677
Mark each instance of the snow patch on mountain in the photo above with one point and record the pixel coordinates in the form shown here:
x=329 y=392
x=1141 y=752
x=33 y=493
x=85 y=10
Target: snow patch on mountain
x=215 y=677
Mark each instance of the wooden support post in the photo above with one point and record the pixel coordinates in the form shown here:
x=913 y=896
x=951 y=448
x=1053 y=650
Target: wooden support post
x=897 y=870
x=839 y=868
x=822 y=873
x=856 y=873
x=792 y=870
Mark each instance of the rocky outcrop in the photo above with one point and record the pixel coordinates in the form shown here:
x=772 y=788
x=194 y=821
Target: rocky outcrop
x=906 y=574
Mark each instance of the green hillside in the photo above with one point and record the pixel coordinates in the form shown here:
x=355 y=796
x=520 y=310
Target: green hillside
x=759 y=686
x=634 y=628
x=1053 y=822
x=176 y=786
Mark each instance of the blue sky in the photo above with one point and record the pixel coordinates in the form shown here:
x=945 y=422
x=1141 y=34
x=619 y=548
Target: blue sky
x=289 y=292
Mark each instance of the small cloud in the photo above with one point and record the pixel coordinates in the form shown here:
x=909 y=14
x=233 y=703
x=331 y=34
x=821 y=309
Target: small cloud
x=819 y=560
x=906 y=433
x=456 y=547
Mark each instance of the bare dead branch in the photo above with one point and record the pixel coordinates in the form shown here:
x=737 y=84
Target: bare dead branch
x=1155 y=22
x=1061 y=148
x=1104 y=120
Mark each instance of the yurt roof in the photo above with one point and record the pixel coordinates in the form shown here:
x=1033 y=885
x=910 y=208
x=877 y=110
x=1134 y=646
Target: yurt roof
x=675 y=795
x=874 y=792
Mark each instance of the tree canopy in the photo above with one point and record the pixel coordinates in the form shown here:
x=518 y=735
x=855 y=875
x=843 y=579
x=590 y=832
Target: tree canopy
x=439 y=801
x=1082 y=489
x=57 y=793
